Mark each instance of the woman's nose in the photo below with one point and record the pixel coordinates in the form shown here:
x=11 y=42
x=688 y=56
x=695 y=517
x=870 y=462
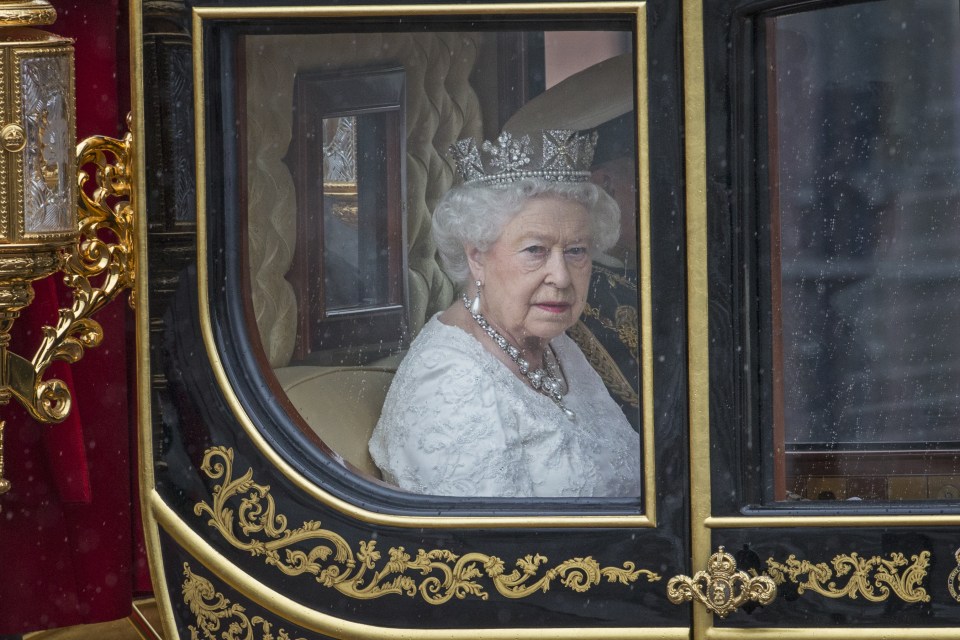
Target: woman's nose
x=558 y=271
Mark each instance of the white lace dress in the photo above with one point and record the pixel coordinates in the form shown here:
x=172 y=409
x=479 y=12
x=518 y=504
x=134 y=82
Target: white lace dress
x=458 y=422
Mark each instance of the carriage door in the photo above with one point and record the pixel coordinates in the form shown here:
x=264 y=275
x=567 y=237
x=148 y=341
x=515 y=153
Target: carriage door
x=293 y=153
x=825 y=293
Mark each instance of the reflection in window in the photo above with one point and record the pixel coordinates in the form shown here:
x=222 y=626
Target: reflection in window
x=357 y=245
x=865 y=196
x=341 y=250
x=348 y=269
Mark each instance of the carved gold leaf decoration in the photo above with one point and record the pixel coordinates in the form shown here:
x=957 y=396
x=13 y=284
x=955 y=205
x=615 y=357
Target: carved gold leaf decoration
x=721 y=588
x=97 y=269
x=31 y=13
x=245 y=515
x=219 y=619
x=874 y=578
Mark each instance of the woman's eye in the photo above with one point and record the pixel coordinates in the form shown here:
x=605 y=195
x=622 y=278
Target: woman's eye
x=576 y=252
x=536 y=250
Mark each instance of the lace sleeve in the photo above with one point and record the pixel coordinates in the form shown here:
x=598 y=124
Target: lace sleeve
x=444 y=431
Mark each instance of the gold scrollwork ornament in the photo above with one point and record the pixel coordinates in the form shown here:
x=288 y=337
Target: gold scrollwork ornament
x=100 y=266
x=253 y=525
x=97 y=270
x=875 y=578
x=218 y=618
x=721 y=588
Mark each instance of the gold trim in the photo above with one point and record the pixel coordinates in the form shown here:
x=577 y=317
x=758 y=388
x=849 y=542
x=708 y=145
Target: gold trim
x=143 y=613
x=645 y=270
x=56 y=47
x=151 y=527
x=761 y=522
x=875 y=578
x=721 y=589
x=313 y=620
x=26 y=13
x=698 y=345
x=638 y=10
x=835 y=633
x=9 y=105
x=214 y=612
x=375 y=11
x=443 y=574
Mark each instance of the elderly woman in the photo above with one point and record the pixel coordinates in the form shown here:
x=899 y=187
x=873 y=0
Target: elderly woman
x=493 y=398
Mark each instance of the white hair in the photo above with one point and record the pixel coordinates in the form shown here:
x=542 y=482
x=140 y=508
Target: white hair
x=477 y=215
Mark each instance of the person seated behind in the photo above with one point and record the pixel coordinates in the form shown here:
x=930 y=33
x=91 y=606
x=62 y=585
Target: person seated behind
x=493 y=398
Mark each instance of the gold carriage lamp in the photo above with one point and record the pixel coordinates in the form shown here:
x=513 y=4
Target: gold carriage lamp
x=44 y=228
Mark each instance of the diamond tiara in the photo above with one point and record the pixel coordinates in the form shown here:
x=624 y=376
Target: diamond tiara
x=557 y=155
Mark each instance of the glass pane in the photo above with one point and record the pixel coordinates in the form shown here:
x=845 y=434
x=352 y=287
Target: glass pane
x=356 y=238
x=341 y=250
x=865 y=203
x=49 y=197
x=348 y=141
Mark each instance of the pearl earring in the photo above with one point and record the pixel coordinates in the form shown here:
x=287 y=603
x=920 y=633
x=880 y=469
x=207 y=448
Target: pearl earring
x=475 y=305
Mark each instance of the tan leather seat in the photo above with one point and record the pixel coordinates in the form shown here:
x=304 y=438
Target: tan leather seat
x=341 y=404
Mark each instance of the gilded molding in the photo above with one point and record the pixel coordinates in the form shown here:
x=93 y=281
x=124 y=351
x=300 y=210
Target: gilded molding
x=26 y=13
x=362 y=11
x=721 y=589
x=436 y=575
x=16 y=168
x=874 y=578
x=5 y=162
x=217 y=617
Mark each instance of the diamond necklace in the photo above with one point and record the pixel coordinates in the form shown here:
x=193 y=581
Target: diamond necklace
x=547 y=381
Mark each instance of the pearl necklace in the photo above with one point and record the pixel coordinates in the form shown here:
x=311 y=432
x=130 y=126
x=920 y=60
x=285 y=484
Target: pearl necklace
x=547 y=381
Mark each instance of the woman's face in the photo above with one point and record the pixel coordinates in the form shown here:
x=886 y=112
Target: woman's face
x=535 y=276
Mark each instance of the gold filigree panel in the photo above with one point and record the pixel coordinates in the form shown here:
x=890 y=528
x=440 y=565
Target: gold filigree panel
x=875 y=578
x=245 y=514
x=219 y=619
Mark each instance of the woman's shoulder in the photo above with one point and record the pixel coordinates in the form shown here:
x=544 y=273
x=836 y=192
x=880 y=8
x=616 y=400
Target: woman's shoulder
x=437 y=334
x=444 y=346
x=582 y=377
x=569 y=355
x=443 y=361
x=441 y=428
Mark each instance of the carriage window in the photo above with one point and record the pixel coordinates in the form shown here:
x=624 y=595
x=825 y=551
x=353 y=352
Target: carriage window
x=864 y=130
x=347 y=141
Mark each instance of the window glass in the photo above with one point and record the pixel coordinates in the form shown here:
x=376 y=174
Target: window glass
x=863 y=103
x=347 y=140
